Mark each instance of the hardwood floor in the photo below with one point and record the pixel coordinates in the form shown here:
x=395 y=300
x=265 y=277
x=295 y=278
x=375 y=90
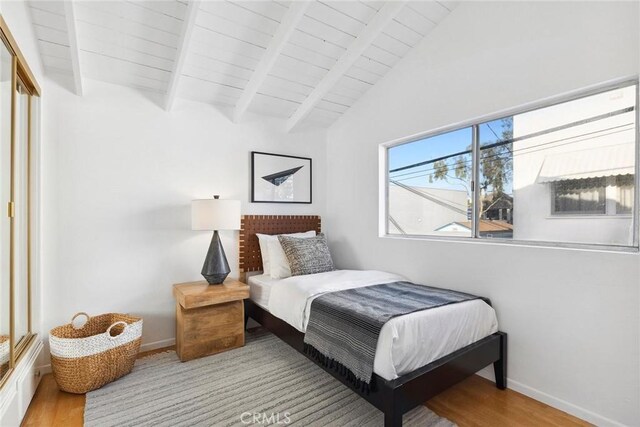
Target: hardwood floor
x=473 y=402
x=51 y=407
x=477 y=402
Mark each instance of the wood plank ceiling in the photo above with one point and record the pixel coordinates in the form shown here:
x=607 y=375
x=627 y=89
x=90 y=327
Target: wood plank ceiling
x=301 y=61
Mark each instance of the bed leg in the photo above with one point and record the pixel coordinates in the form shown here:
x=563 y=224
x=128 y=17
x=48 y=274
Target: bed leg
x=500 y=366
x=393 y=419
x=392 y=414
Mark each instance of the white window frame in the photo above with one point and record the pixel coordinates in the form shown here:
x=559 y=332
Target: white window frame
x=383 y=175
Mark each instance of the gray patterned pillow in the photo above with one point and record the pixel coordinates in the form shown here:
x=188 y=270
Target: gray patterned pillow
x=308 y=255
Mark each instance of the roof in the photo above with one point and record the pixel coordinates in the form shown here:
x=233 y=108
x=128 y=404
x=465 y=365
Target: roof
x=486 y=226
x=490 y=226
x=598 y=162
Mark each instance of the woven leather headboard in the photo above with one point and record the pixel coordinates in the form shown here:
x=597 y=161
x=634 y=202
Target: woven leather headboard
x=249 y=256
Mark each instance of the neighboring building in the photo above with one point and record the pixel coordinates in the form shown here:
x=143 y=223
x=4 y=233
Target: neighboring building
x=575 y=183
x=501 y=209
x=423 y=210
x=489 y=229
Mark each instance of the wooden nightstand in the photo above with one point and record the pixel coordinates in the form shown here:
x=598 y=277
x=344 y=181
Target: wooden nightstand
x=209 y=318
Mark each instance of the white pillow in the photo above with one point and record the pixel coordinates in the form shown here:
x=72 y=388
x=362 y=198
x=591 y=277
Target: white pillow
x=268 y=259
x=264 y=251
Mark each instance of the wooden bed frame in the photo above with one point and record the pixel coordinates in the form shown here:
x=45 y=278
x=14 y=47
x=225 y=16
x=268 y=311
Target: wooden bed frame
x=396 y=397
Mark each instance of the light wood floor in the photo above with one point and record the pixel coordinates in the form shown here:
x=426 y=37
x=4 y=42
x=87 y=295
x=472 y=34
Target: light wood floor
x=477 y=402
x=473 y=402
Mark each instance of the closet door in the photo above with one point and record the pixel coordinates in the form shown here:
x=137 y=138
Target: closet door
x=6 y=86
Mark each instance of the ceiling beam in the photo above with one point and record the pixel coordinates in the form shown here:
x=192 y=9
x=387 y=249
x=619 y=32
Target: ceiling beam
x=74 y=51
x=348 y=58
x=188 y=25
x=287 y=25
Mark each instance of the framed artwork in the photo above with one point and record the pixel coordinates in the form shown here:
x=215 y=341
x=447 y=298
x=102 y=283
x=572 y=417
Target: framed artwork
x=277 y=178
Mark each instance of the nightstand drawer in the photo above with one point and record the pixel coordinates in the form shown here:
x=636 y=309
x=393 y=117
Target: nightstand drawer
x=216 y=321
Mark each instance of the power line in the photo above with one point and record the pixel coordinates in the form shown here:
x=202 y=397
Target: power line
x=520 y=150
x=492 y=131
x=506 y=156
x=531 y=135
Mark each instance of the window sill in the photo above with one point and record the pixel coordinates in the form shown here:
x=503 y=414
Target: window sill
x=519 y=243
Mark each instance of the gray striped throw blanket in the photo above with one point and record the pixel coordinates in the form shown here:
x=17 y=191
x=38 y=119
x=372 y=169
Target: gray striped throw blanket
x=344 y=326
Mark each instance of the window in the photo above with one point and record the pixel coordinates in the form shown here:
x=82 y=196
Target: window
x=580 y=196
x=562 y=173
x=590 y=196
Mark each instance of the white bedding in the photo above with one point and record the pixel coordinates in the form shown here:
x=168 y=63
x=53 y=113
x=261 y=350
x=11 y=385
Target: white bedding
x=406 y=342
x=260 y=288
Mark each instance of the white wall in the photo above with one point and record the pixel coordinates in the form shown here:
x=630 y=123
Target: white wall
x=572 y=316
x=121 y=173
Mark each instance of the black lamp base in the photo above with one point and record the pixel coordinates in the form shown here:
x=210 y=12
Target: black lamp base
x=215 y=268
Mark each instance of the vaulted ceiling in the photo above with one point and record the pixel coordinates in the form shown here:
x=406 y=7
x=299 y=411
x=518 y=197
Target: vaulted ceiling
x=304 y=61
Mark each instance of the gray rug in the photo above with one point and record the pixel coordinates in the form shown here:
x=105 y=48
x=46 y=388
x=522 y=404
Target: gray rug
x=265 y=382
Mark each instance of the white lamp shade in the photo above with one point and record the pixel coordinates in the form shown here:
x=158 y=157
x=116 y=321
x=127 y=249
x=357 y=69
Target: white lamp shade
x=215 y=214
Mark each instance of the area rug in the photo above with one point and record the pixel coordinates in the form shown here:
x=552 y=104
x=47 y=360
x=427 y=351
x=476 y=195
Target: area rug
x=266 y=382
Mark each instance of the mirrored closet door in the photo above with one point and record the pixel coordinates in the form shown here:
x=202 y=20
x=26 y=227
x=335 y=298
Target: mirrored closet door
x=6 y=77
x=18 y=97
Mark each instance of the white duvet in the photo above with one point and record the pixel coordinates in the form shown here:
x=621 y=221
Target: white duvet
x=406 y=342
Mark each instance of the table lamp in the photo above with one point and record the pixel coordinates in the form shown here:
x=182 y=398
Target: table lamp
x=215 y=214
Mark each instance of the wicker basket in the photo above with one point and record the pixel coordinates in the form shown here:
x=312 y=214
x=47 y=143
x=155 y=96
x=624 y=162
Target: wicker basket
x=102 y=350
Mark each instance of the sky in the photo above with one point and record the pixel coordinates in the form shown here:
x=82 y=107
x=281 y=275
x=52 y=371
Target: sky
x=435 y=147
x=427 y=149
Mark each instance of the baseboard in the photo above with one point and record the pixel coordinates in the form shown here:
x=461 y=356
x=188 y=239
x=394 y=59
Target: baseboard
x=46 y=369
x=158 y=344
x=18 y=390
x=555 y=402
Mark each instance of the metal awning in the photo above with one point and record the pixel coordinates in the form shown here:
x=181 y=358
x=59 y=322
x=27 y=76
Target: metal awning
x=611 y=160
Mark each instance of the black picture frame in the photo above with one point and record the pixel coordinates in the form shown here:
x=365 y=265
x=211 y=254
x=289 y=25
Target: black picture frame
x=259 y=156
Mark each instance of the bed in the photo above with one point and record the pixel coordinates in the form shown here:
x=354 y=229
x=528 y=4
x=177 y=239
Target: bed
x=413 y=363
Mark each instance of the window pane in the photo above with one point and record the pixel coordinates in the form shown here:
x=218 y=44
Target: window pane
x=430 y=186
x=572 y=168
x=496 y=178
